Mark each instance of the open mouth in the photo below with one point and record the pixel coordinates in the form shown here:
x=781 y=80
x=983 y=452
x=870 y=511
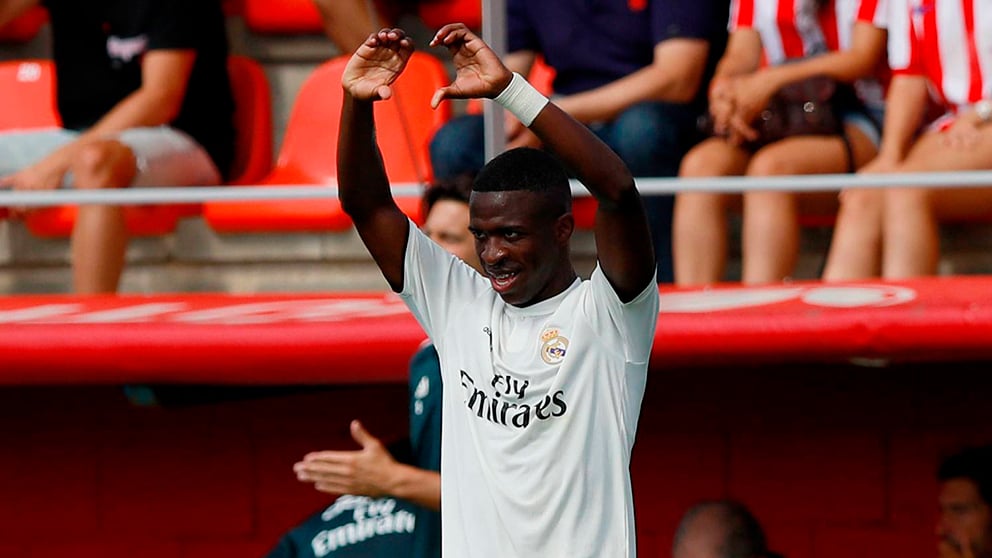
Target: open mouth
x=502 y=280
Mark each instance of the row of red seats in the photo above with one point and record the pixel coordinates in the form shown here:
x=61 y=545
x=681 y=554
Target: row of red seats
x=301 y=16
x=276 y=16
x=307 y=156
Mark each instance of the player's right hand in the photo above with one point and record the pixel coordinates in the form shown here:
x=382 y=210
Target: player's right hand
x=376 y=65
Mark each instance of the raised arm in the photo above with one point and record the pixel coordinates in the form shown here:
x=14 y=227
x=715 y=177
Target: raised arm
x=622 y=236
x=363 y=187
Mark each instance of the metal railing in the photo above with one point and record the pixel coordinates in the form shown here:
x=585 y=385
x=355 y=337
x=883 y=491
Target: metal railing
x=647 y=186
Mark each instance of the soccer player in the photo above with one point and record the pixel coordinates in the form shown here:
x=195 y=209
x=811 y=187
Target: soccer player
x=544 y=373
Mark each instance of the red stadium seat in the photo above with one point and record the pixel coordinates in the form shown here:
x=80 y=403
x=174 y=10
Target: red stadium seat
x=302 y=16
x=404 y=124
x=24 y=28
x=253 y=120
x=440 y=12
x=27 y=97
x=27 y=94
x=253 y=159
x=282 y=16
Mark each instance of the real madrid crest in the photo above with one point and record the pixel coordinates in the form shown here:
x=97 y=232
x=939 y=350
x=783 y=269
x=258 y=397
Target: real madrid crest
x=553 y=345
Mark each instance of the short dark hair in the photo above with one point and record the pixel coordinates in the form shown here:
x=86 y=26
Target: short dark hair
x=457 y=188
x=743 y=535
x=529 y=169
x=973 y=463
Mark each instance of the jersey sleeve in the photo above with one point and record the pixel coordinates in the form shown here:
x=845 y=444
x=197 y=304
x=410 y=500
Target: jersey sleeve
x=741 y=15
x=903 y=44
x=520 y=34
x=435 y=283
x=635 y=321
x=700 y=19
x=174 y=24
x=873 y=12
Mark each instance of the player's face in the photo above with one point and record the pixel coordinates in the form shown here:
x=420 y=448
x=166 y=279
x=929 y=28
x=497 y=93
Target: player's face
x=965 y=519
x=447 y=224
x=523 y=251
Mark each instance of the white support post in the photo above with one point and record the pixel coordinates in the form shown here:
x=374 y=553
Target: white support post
x=494 y=33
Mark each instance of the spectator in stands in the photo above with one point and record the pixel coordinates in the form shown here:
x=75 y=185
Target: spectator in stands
x=633 y=71
x=935 y=46
x=843 y=40
x=145 y=100
x=720 y=529
x=964 y=528
x=348 y=22
x=373 y=472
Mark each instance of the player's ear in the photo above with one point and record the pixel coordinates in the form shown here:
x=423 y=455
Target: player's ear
x=564 y=227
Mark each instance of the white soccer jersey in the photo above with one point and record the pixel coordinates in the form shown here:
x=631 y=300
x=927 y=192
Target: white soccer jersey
x=947 y=41
x=540 y=410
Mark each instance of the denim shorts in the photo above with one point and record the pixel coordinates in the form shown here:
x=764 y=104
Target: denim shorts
x=868 y=120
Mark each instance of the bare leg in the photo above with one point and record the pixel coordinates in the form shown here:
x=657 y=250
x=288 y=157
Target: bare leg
x=699 y=225
x=856 y=247
x=770 y=237
x=99 y=238
x=911 y=237
x=911 y=234
x=771 y=219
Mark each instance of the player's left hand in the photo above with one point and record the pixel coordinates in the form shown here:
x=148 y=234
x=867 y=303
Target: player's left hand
x=478 y=71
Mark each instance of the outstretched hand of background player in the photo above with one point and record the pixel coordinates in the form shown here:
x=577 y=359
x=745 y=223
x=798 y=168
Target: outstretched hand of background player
x=366 y=472
x=478 y=71
x=376 y=65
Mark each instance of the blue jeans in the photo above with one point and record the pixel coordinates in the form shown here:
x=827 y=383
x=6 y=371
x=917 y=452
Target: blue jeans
x=651 y=138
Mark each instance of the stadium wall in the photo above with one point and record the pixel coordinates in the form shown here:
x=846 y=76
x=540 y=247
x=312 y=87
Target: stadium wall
x=835 y=460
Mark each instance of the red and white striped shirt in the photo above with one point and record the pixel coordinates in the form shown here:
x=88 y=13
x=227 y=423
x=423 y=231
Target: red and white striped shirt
x=792 y=29
x=789 y=29
x=796 y=28
x=838 y=23
x=947 y=41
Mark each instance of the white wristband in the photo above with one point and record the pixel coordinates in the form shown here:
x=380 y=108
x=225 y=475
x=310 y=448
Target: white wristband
x=522 y=99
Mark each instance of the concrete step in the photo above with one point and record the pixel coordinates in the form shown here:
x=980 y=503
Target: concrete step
x=197 y=259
